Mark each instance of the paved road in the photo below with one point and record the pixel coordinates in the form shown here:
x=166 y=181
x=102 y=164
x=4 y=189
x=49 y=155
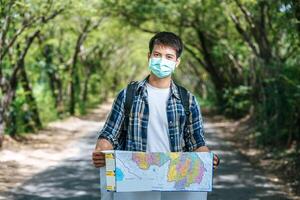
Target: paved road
x=76 y=178
x=236 y=178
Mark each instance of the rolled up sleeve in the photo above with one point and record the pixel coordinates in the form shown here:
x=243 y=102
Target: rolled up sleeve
x=112 y=127
x=195 y=131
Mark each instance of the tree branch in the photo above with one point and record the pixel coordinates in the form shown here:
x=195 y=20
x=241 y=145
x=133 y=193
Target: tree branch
x=245 y=36
x=246 y=13
x=201 y=62
x=5 y=27
x=22 y=55
x=33 y=20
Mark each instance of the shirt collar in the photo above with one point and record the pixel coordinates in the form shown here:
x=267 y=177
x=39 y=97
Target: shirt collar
x=141 y=87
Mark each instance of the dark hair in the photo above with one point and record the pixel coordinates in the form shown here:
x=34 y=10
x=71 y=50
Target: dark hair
x=167 y=39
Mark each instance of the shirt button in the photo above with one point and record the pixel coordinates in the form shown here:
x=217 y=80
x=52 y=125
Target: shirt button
x=171 y=122
x=169 y=106
x=172 y=138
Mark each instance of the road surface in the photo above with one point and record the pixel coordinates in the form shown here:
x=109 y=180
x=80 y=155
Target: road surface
x=72 y=175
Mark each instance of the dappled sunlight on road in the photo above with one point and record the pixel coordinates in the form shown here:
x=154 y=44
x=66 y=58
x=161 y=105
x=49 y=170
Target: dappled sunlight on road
x=236 y=178
x=67 y=172
x=74 y=178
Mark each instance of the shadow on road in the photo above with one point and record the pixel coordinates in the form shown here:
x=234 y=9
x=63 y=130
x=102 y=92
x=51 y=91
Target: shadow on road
x=76 y=178
x=236 y=178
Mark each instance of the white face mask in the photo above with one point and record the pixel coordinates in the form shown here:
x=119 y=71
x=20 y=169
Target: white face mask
x=161 y=67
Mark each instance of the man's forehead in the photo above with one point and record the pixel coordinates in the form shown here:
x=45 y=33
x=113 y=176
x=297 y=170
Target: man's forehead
x=164 y=49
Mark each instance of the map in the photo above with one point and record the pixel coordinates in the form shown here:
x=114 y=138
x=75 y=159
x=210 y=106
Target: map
x=182 y=171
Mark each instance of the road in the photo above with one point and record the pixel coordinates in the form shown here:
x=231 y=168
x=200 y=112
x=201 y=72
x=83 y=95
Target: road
x=74 y=177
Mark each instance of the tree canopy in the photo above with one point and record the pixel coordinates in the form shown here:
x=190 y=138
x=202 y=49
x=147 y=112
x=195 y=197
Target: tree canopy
x=60 y=58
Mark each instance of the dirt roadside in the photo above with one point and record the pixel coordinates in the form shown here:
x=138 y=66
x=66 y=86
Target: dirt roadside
x=20 y=160
x=281 y=170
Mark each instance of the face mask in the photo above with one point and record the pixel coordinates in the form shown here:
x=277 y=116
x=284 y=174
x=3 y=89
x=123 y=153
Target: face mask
x=161 y=67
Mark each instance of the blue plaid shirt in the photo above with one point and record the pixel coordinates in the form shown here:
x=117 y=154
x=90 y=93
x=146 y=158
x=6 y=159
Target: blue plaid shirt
x=183 y=136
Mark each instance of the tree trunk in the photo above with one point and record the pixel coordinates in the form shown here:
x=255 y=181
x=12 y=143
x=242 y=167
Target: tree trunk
x=74 y=84
x=29 y=97
x=54 y=80
x=211 y=67
x=9 y=91
x=86 y=86
x=2 y=126
x=12 y=120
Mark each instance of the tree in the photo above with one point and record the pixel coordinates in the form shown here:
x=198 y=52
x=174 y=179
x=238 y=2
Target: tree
x=18 y=20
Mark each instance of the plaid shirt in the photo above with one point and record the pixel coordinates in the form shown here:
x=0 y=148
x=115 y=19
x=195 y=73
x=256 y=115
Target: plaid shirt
x=182 y=136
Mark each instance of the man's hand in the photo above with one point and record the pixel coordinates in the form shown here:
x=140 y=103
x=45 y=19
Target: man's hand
x=99 y=157
x=216 y=161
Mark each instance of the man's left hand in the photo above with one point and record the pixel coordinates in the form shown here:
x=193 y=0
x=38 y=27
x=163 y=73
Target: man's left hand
x=216 y=161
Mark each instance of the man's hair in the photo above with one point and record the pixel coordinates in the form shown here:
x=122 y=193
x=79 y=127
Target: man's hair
x=167 y=39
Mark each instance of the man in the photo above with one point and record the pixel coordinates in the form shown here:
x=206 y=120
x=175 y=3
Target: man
x=158 y=121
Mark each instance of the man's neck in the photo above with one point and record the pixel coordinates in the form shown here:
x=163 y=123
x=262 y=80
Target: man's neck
x=159 y=82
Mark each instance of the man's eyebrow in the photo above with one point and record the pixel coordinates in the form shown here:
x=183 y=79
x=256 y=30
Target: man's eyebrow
x=156 y=52
x=170 y=54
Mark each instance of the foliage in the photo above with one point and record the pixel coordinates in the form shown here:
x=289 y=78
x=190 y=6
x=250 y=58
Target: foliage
x=77 y=58
x=237 y=101
x=238 y=55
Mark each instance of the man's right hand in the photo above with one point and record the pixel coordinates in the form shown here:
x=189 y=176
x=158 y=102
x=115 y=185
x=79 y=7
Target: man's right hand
x=99 y=157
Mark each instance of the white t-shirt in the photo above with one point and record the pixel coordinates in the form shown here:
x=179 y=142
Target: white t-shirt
x=157 y=132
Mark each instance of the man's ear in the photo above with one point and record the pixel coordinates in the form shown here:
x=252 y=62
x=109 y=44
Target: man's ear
x=177 y=62
x=149 y=55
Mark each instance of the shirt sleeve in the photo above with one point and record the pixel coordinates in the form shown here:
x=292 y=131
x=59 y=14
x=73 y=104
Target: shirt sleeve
x=195 y=131
x=111 y=129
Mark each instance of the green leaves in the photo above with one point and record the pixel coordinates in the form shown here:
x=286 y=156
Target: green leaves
x=238 y=101
x=238 y=54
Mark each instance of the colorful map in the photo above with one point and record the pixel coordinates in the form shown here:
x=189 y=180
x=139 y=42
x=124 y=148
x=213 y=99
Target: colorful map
x=184 y=171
